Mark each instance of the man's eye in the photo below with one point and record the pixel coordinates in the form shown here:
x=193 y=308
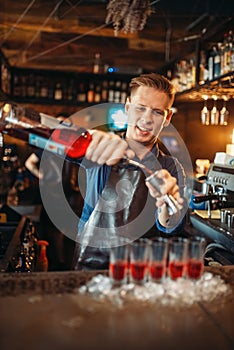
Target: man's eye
x=141 y=109
x=157 y=113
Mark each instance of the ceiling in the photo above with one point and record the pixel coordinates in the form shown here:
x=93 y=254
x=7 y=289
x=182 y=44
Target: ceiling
x=66 y=34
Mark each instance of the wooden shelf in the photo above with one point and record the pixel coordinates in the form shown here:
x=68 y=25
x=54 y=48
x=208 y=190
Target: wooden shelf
x=222 y=86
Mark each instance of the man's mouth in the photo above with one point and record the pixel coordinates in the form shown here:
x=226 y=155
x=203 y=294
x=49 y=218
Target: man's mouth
x=142 y=130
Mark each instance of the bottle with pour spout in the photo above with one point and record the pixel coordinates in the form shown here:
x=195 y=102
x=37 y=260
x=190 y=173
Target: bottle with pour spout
x=44 y=131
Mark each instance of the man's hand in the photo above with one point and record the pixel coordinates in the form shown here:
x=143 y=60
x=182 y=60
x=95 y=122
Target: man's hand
x=169 y=186
x=106 y=148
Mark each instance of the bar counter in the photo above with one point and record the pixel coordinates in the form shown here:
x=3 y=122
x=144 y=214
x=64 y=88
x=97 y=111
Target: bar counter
x=45 y=311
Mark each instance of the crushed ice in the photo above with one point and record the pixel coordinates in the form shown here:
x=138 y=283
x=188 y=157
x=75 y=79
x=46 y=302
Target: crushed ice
x=180 y=292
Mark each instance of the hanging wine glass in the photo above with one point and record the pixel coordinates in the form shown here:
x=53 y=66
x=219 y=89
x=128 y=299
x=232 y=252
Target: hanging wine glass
x=205 y=113
x=214 y=113
x=224 y=113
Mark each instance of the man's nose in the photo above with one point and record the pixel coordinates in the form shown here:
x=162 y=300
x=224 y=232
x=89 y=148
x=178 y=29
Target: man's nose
x=147 y=116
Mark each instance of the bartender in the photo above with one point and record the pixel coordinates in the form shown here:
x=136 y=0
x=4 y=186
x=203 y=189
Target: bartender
x=119 y=200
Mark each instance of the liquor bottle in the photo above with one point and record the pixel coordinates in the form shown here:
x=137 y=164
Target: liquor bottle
x=97 y=63
x=117 y=92
x=44 y=89
x=97 y=93
x=228 y=52
x=217 y=63
x=44 y=131
x=69 y=90
x=105 y=91
x=58 y=92
x=30 y=86
x=123 y=92
x=203 y=76
x=214 y=64
x=17 y=86
x=111 y=91
x=81 y=93
x=90 y=93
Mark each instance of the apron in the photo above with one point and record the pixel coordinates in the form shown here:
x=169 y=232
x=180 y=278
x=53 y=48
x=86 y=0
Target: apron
x=124 y=209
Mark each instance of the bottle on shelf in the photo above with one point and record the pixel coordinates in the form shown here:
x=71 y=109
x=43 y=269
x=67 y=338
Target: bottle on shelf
x=17 y=91
x=217 y=63
x=81 y=93
x=111 y=91
x=97 y=63
x=203 y=74
x=44 y=89
x=97 y=93
x=69 y=90
x=124 y=94
x=58 y=92
x=210 y=64
x=90 y=93
x=30 y=86
x=104 y=91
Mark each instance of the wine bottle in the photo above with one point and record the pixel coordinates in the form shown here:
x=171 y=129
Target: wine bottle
x=44 y=131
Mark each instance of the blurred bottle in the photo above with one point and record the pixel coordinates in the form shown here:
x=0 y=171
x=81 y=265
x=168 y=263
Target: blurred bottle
x=203 y=77
x=217 y=62
x=97 y=63
x=58 y=92
x=214 y=63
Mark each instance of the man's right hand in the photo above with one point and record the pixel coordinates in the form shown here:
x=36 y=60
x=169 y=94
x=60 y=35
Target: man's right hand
x=107 y=148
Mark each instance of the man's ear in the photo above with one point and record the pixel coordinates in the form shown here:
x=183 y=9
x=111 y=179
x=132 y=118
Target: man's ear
x=168 y=118
x=127 y=104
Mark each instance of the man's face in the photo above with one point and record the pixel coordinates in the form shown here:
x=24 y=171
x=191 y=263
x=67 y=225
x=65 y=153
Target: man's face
x=148 y=112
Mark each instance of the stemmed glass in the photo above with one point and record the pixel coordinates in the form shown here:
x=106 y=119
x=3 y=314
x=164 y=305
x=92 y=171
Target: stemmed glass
x=224 y=113
x=214 y=113
x=205 y=113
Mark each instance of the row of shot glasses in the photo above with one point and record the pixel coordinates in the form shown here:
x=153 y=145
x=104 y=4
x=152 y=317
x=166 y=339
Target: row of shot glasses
x=154 y=260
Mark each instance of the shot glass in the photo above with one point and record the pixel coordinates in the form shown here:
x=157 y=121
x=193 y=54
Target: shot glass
x=139 y=257
x=118 y=266
x=195 y=265
x=158 y=251
x=178 y=252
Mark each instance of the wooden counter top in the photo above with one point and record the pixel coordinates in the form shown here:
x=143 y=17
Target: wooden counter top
x=44 y=311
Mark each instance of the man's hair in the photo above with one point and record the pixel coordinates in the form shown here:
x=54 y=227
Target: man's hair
x=156 y=81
